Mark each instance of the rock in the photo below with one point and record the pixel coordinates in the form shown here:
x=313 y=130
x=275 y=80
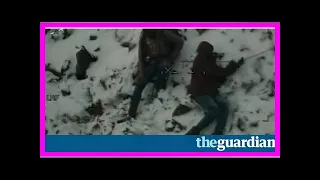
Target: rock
x=52 y=70
x=248 y=86
x=54 y=37
x=67 y=33
x=65 y=89
x=103 y=84
x=132 y=46
x=65 y=67
x=93 y=37
x=96 y=129
x=254 y=124
x=169 y=126
x=258 y=111
x=241 y=124
x=65 y=93
x=95 y=109
x=181 y=109
x=120 y=35
x=178 y=127
x=108 y=128
x=125 y=44
x=123 y=96
x=266 y=35
x=175 y=83
x=261 y=58
x=270 y=88
x=58 y=34
x=269 y=35
x=129 y=45
x=97 y=49
x=201 y=31
x=173 y=125
x=84 y=59
x=160 y=99
x=242 y=49
x=70 y=75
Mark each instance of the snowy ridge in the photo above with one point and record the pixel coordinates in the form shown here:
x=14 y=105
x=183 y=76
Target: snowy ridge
x=250 y=91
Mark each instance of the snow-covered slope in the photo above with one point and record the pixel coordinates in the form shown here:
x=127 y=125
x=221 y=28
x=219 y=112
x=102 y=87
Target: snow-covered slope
x=249 y=91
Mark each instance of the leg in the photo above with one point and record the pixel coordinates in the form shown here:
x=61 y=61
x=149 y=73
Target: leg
x=163 y=72
x=140 y=85
x=222 y=117
x=161 y=81
x=211 y=110
x=136 y=96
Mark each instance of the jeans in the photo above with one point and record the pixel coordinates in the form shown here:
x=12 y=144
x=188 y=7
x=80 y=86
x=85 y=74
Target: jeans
x=215 y=108
x=150 y=72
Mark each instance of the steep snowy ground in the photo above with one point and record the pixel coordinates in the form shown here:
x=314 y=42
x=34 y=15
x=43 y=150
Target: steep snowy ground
x=250 y=91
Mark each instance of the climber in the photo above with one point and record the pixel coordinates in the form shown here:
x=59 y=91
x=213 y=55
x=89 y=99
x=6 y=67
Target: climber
x=158 y=49
x=206 y=78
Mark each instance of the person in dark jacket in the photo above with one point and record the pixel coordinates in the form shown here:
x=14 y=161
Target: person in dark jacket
x=157 y=51
x=207 y=77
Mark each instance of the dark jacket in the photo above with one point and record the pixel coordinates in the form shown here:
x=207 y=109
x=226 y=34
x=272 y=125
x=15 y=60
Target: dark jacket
x=207 y=76
x=172 y=41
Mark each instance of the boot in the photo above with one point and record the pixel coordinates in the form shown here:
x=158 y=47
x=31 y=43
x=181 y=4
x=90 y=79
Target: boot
x=133 y=109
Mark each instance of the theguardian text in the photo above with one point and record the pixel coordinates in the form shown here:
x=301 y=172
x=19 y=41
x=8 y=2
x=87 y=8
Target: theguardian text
x=221 y=144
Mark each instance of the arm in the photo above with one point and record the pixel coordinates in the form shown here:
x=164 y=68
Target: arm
x=178 y=44
x=230 y=69
x=141 y=53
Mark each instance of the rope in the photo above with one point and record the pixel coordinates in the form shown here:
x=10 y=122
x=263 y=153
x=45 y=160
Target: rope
x=259 y=53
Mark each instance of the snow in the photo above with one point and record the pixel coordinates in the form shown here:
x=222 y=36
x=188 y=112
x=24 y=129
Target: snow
x=110 y=78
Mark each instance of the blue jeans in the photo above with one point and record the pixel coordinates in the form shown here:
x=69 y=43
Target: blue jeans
x=215 y=108
x=150 y=73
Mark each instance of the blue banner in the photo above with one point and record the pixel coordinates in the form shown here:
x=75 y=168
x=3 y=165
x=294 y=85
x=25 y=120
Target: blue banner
x=159 y=143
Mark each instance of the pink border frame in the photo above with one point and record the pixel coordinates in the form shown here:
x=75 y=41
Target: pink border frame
x=275 y=25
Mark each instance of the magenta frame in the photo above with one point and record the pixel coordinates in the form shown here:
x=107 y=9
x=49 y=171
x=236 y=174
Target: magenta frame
x=123 y=25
